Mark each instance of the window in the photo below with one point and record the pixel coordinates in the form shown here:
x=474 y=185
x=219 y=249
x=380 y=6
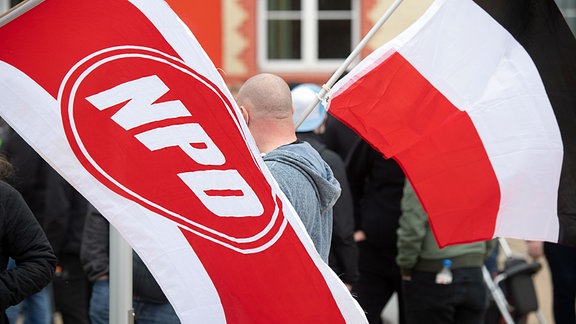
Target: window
x=5 y=5
x=306 y=35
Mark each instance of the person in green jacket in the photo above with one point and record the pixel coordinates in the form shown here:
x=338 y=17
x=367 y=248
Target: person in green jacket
x=431 y=294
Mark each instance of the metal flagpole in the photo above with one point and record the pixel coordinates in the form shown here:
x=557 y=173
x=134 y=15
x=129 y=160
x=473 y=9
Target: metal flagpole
x=121 y=311
x=328 y=85
x=14 y=12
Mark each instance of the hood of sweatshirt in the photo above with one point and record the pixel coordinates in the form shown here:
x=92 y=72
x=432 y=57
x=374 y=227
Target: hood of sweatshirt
x=302 y=156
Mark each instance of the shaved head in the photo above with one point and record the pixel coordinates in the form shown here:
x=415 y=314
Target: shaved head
x=266 y=95
x=266 y=105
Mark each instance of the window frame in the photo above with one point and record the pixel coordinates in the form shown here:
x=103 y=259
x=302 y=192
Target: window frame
x=309 y=15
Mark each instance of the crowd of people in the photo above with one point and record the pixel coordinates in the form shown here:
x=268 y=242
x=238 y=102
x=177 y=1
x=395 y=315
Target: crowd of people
x=55 y=247
x=358 y=208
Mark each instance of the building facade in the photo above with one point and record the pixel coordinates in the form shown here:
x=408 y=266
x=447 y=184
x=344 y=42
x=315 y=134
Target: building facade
x=300 y=40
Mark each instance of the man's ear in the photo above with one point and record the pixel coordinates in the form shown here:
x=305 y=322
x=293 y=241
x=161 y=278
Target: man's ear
x=245 y=114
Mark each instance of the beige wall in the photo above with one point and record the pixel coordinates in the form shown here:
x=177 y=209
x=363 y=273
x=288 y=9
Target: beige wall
x=234 y=43
x=407 y=13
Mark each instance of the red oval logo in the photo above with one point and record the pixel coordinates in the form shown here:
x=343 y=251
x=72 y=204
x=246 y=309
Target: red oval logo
x=158 y=133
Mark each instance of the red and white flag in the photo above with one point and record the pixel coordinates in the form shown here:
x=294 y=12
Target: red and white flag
x=477 y=102
x=120 y=98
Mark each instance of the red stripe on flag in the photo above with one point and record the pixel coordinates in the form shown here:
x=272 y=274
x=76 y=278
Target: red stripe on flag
x=405 y=117
x=259 y=293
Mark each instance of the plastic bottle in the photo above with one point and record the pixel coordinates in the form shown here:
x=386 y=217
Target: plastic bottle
x=444 y=277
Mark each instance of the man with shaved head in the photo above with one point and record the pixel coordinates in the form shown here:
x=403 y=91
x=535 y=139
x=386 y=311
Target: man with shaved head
x=306 y=180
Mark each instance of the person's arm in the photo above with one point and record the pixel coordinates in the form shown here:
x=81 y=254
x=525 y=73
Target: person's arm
x=411 y=232
x=94 y=252
x=24 y=241
x=535 y=249
x=343 y=247
x=358 y=165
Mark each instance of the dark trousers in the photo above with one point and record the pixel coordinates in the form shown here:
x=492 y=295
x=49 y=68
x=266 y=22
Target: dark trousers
x=72 y=291
x=379 y=280
x=464 y=301
x=562 y=262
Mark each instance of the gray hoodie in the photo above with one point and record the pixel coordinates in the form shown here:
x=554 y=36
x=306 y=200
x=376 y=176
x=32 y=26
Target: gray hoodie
x=310 y=186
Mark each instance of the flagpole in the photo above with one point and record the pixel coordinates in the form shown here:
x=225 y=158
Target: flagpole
x=328 y=85
x=120 y=307
x=17 y=10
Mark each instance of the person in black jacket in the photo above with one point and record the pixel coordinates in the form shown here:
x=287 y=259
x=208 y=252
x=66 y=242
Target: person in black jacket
x=29 y=179
x=64 y=223
x=343 y=258
x=377 y=187
x=23 y=240
x=150 y=304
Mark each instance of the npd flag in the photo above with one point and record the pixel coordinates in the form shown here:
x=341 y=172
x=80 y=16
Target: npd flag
x=477 y=103
x=120 y=98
